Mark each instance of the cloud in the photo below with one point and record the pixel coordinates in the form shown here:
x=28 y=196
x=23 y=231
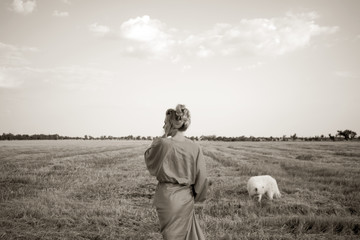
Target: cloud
x=16 y=71
x=147 y=36
x=345 y=74
x=7 y=80
x=204 y=52
x=151 y=38
x=142 y=29
x=99 y=30
x=186 y=68
x=80 y=78
x=15 y=48
x=13 y=77
x=24 y=6
x=250 y=66
x=57 y=13
x=274 y=36
x=11 y=55
x=70 y=78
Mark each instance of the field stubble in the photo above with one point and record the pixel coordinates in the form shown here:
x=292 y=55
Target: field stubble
x=102 y=190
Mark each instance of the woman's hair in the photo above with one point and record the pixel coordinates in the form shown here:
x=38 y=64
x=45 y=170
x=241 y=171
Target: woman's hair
x=177 y=119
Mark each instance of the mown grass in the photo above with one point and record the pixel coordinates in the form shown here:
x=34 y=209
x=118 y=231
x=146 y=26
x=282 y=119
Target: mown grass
x=102 y=190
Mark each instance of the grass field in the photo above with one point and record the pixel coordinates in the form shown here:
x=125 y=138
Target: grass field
x=102 y=190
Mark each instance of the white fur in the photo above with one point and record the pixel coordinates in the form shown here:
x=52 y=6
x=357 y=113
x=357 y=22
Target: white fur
x=261 y=185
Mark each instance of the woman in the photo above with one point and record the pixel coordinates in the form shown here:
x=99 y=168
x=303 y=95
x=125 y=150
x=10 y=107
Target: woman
x=179 y=166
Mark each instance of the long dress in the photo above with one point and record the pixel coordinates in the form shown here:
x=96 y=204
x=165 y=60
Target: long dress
x=179 y=167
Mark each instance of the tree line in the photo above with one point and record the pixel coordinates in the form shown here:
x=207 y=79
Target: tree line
x=339 y=136
x=10 y=136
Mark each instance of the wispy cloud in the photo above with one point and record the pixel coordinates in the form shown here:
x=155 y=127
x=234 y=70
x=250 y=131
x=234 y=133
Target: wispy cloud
x=11 y=55
x=13 y=77
x=16 y=71
x=250 y=66
x=8 y=78
x=24 y=6
x=79 y=78
x=66 y=1
x=345 y=74
x=99 y=30
x=57 y=13
x=69 y=78
x=186 y=68
x=254 y=37
x=16 y=48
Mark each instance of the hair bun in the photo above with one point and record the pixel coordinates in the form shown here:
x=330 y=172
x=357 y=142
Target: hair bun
x=181 y=112
x=177 y=119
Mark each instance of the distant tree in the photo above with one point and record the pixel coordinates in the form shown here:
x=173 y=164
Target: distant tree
x=352 y=135
x=347 y=134
x=332 y=138
x=193 y=138
x=293 y=137
x=208 y=138
x=130 y=137
x=8 y=136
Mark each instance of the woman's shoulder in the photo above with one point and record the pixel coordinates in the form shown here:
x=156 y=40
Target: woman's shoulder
x=193 y=144
x=168 y=142
x=161 y=141
x=189 y=140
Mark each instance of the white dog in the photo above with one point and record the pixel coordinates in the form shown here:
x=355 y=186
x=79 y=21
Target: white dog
x=261 y=185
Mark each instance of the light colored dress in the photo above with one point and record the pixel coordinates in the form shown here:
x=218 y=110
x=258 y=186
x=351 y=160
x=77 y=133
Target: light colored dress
x=179 y=167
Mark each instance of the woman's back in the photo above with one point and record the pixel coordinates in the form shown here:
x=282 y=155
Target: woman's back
x=173 y=161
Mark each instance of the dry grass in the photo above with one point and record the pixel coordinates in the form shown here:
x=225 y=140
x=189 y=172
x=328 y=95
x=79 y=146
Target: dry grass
x=102 y=190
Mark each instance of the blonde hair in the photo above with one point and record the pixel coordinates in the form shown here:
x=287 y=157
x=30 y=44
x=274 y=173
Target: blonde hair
x=177 y=119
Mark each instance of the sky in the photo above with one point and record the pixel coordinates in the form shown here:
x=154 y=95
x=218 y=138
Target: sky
x=242 y=67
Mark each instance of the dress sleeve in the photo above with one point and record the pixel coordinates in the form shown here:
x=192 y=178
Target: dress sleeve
x=153 y=157
x=201 y=181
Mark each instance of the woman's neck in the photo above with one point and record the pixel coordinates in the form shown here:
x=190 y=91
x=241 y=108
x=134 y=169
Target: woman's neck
x=179 y=136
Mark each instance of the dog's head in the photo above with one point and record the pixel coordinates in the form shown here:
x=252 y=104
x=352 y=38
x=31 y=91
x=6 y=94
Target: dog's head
x=257 y=189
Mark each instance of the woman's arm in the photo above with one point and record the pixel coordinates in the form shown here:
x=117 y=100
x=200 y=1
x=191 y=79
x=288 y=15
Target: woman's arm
x=201 y=181
x=153 y=156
